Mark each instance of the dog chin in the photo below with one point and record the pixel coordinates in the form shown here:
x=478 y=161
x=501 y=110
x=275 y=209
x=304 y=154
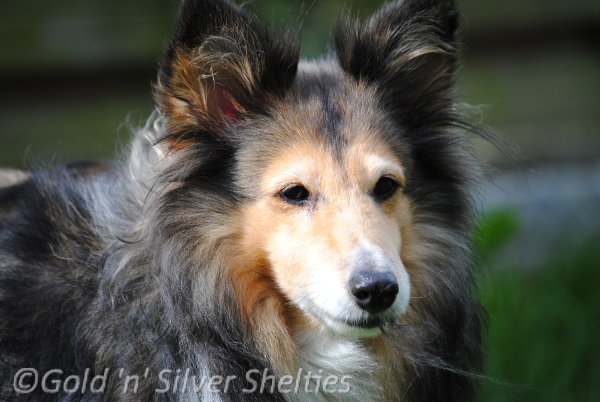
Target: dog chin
x=350 y=329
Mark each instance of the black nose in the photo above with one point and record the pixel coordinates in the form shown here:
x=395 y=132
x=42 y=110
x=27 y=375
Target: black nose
x=374 y=291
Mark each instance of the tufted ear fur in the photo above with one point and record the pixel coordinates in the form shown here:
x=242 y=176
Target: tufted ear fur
x=408 y=49
x=221 y=66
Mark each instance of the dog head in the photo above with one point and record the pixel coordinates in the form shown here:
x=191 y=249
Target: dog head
x=328 y=162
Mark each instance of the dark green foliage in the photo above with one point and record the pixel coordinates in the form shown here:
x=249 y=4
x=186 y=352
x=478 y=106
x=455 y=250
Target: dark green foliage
x=495 y=230
x=542 y=342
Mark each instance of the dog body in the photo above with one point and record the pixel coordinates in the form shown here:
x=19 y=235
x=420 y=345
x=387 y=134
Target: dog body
x=299 y=223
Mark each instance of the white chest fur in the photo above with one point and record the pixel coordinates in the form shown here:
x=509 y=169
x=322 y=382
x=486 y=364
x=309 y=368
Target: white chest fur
x=341 y=368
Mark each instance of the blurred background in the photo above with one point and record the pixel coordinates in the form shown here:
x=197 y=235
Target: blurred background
x=75 y=74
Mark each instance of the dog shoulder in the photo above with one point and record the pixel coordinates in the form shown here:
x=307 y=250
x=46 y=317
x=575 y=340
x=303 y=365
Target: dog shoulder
x=46 y=214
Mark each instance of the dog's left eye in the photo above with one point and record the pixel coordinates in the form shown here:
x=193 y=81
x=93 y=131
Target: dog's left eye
x=296 y=194
x=385 y=188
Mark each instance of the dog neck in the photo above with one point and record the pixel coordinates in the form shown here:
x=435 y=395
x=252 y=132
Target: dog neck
x=349 y=366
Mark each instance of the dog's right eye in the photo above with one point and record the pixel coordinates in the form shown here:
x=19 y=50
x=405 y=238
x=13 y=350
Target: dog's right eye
x=385 y=188
x=295 y=195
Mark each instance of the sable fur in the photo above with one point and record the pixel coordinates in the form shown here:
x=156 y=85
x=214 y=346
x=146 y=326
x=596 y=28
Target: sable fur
x=143 y=263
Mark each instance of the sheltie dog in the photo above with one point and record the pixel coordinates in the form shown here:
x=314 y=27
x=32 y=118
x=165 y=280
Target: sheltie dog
x=281 y=229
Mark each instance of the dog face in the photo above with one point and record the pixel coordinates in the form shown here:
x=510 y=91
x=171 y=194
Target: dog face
x=338 y=257
x=333 y=228
x=324 y=155
x=330 y=206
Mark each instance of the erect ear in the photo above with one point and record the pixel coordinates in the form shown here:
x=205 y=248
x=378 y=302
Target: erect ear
x=408 y=50
x=220 y=66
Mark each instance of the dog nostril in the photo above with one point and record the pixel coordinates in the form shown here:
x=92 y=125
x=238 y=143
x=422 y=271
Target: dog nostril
x=374 y=291
x=361 y=295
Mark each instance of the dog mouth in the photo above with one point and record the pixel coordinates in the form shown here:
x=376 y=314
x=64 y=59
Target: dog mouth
x=362 y=326
x=351 y=323
x=367 y=323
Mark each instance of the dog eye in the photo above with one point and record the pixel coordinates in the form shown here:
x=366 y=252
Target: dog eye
x=385 y=188
x=296 y=194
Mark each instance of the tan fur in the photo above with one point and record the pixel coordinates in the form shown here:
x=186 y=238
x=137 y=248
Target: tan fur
x=261 y=304
x=391 y=366
x=341 y=222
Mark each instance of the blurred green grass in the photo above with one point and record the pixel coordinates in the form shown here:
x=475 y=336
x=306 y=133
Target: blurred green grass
x=543 y=340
